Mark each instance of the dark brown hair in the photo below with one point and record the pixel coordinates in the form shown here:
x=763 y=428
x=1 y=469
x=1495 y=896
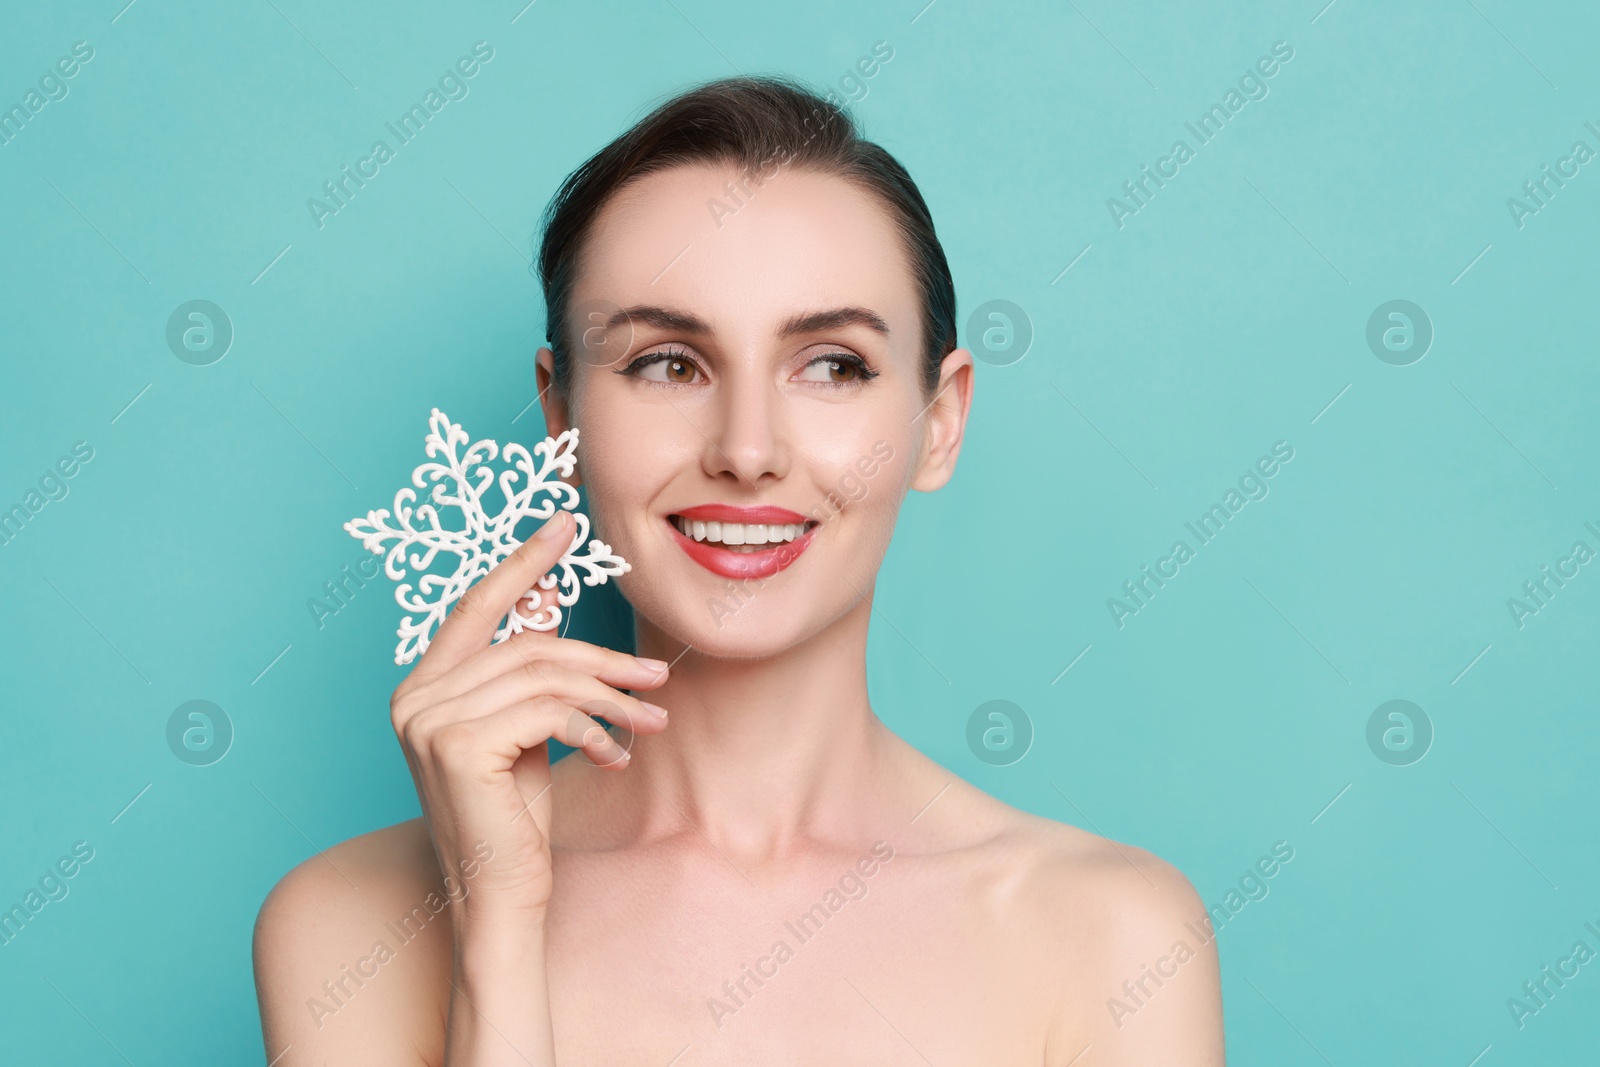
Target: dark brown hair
x=754 y=122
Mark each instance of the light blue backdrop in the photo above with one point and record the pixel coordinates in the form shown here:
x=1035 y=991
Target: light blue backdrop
x=1176 y=339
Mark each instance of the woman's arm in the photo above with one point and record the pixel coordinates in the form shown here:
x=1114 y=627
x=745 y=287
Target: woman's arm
x=350 y=961
x=500 y=1000
x=357 y=962
x=1145 y=987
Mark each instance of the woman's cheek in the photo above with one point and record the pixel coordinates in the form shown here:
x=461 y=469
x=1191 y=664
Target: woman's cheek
x=612 y=485
x=865 y=485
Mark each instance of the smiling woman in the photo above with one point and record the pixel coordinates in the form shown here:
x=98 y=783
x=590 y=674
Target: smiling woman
x=729 y=380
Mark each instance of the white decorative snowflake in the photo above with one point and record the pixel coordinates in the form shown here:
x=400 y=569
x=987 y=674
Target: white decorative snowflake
x=480 y=540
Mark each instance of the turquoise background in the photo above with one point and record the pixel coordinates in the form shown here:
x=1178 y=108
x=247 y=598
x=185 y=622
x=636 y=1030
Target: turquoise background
x=1229 y=313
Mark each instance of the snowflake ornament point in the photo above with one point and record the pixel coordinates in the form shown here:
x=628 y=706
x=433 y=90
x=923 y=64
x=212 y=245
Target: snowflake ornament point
x=460 y=480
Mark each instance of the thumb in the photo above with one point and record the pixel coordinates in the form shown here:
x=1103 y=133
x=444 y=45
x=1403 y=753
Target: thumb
x=472 y=624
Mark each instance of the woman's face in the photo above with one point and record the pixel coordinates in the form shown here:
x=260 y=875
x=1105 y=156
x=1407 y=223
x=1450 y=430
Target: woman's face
x=747 y=368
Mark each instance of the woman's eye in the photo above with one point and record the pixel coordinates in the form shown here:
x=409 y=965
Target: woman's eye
x=840 y=369
x=671 y=369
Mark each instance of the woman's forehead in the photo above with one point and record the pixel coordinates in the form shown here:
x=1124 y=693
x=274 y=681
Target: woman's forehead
x=737 y=247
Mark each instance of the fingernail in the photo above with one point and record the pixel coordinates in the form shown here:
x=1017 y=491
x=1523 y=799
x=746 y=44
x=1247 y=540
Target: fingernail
x=654 y=709
x=656 y=665
x=554 y=528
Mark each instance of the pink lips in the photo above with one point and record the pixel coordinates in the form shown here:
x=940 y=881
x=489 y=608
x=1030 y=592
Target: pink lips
x=762 y=563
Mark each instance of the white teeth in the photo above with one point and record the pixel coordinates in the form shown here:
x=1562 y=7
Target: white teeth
x=738 y=533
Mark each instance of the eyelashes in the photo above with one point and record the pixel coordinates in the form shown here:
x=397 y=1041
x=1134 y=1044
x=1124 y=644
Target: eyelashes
x=676 y=362
x=652 y=359
x=842 y=361
x=669 y=359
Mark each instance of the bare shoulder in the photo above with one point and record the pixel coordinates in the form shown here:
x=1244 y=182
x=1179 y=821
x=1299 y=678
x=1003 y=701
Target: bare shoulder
x=1104 y=891
x=1119 y=931
x=352 y=952
x=1098 y=888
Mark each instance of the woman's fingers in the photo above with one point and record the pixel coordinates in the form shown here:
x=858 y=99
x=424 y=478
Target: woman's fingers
x=537 y=678
x=493 y=742
x=472 y=623
x=614 y=668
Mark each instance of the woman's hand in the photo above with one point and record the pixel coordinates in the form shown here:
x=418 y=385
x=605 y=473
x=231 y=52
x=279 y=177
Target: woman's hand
x=474 y=720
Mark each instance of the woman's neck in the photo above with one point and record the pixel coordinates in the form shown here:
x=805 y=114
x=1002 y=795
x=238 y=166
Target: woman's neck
x=764 y=756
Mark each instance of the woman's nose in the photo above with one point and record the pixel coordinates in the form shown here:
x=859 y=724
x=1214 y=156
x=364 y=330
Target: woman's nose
x=747 y=443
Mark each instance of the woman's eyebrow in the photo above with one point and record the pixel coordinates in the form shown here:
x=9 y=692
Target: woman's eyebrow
x=659 y=317
x=814 y=321
x=807 y=322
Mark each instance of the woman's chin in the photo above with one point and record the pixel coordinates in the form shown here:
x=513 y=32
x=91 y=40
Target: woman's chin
x=722 y=629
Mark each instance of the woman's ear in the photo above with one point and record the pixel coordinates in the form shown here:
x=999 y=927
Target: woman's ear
x=553 y=402
x=945 y=422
